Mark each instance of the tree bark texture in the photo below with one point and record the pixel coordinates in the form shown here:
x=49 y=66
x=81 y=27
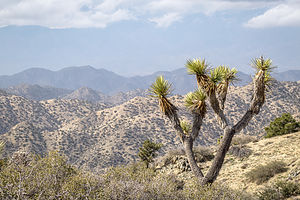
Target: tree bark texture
x=188 y=147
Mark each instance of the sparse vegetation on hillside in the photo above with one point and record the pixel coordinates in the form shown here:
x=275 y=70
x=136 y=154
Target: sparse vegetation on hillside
x=282 y=125
x=263 y=173
x=27 y=176
x=280 y=190
x=213 y=85
x=87 y=132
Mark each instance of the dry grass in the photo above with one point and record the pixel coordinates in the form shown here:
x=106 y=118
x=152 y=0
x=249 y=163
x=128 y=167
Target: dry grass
x=262 y=173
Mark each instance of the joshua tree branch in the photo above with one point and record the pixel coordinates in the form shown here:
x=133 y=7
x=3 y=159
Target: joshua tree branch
x=257 y=101
x=223 y=94
x=216 y=108
x=197 y=123
x=176 y=124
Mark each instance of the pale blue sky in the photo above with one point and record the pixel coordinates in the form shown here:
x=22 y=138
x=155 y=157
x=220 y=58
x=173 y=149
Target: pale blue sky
x=132 y=37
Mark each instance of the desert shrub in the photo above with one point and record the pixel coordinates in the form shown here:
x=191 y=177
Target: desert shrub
x=202 y=154
x=269 y=193
x=214 y=191
x=135 y=181
x=176 y=152
x=282 y=125
x=82 y=186
x=240 y=151
x=242 y=139
x=280 y=190
x=263 y=173
x=288 y=188
x=28 y=176
x=238 y=146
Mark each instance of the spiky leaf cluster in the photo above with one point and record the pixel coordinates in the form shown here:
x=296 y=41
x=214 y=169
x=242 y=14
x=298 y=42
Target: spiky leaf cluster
x=160 y=89
x=195 y=101
x=186 y=127
x=262 y=64
x=216 y=75
x=197 y=66
x=229 y=76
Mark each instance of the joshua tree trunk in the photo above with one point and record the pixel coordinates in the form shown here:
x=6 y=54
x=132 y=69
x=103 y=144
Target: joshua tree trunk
x=216 y=166
x=188 y=147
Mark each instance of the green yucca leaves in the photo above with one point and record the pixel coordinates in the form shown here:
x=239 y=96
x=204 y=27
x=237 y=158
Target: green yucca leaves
x=217 y=75
x=262 y=64
x=268 y=80
x=195 y=101
x=197 y=66
x=229 y=74
x=186 y=127
x=160 y=88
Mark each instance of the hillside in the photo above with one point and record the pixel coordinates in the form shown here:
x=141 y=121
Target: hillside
x=233 y=173
x=96 y=135
x=37 y=92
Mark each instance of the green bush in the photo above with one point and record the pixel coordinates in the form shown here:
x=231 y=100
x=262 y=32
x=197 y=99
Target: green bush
x=280 y=190
x=263 y=173
x=282 y=125
x=148 y=151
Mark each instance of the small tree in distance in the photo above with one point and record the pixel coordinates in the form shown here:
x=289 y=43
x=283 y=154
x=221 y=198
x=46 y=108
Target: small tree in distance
x=148 y=151
x=213 y=86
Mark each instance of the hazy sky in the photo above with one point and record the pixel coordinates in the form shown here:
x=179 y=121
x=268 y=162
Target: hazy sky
x=133 y=37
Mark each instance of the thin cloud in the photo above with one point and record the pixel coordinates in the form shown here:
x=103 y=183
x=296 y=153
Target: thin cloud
x=186 y=7
x=166 y=20
x=285 y=14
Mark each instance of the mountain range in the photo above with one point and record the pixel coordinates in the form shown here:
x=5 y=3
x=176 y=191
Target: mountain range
x=110 y=83
x=96 y=135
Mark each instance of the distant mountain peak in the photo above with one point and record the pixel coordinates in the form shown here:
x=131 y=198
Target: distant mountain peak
x=110 y=83
x=74 y=68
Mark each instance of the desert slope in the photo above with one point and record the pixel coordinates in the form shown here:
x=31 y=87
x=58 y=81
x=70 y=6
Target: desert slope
x=94 y=135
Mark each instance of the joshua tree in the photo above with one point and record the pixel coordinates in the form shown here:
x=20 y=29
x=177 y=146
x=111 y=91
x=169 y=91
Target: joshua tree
x=213 y=87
